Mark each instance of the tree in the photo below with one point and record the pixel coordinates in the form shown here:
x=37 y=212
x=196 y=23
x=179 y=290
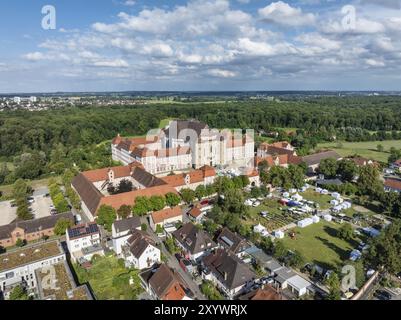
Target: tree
x=280 y=251
x=62 y=225
x=369 y=181
x=172 y=199
x=23 y=211
x=333 y=283
x=4 y=172
x=328 y=167
x=159 y=229
x=188 y=195
x=380 y=148
x=234 y=202
x=19 y=293
x=245 y=180
x=296 y=260
x=106 y=216
x=124 y=212
x=124 y=186
x=142 y=206
x=157 y=203
x=20 y=189
x=347 y=169
x=60 y=203
x=144 y=227
x=20 y=243
x=346 y=232
x=200 y=192
x=385 y=249
x=255 y=192
x=223 y=184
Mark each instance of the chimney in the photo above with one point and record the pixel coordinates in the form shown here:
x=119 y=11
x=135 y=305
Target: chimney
x=225 y=276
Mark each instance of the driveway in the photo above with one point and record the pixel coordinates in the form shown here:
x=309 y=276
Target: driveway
x=7 y=213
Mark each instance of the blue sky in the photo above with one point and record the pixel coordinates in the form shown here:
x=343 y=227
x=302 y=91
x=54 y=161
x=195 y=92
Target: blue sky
x=108 y=45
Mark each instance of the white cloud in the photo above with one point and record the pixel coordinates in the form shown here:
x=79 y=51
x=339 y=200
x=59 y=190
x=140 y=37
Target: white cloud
x=34 y=56
x=117 y=63
x=283 y=14
x=222 y=73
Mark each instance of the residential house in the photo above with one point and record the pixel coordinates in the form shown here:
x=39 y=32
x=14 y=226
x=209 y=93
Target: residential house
x=287 y=279
x=392 y=185
x=227 y=272
x=193 y=241
x=140 y=251
x=232 y=242
x=18 y=267
x=196 y=214
x=265 y=293
x=122 y=230
x=84 y=241
x=30 y=230
x=163 y=283
x=166 y=218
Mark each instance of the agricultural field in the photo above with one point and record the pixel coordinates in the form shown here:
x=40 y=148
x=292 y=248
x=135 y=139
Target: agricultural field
x=319 y=244
x=110 y=280
x=277 y=216
x=364 y=149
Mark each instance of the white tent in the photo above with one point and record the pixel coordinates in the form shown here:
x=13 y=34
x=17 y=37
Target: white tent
x=297 y=197
x=305 y=222
x=293 y=191
x=336 y=195
x=259 y=228
x=316 y=219
x=328 y=217
x=286 y=195
x=279 y=234
x=347 y=205
x=334 y=202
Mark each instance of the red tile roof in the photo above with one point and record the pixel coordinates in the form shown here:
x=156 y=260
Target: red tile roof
x=162 y=215
x=394 y=184
x=195 y=212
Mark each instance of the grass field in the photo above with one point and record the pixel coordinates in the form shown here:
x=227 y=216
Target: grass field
x=364 y=149
x=319 y=244
x=322 y=199
x=276 y=218
x=110 y=280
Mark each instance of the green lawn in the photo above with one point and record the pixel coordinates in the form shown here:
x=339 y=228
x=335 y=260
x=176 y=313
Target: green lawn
x=364 y=149
x=319 y=244
x=322 y=199
x=109 y=279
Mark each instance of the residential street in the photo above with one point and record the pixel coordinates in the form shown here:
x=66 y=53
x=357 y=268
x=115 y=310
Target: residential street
x=172 y=262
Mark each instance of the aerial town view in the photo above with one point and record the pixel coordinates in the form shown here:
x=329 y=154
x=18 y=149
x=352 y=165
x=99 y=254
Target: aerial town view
x=198 y=150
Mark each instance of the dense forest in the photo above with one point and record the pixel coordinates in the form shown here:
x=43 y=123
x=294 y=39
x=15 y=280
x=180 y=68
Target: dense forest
x=44 y=142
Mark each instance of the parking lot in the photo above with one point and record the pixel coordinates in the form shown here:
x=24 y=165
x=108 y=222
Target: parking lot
x=7 y=213
x=40 y=206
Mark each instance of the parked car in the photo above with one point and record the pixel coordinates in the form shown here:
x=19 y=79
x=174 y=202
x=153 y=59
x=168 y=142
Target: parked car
x=382 y=295
x=78 y=218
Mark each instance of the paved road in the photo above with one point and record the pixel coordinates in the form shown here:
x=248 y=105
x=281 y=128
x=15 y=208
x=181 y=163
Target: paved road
x=173 y=262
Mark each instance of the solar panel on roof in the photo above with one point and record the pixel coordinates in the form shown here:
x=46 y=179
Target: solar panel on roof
x=226 y=240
